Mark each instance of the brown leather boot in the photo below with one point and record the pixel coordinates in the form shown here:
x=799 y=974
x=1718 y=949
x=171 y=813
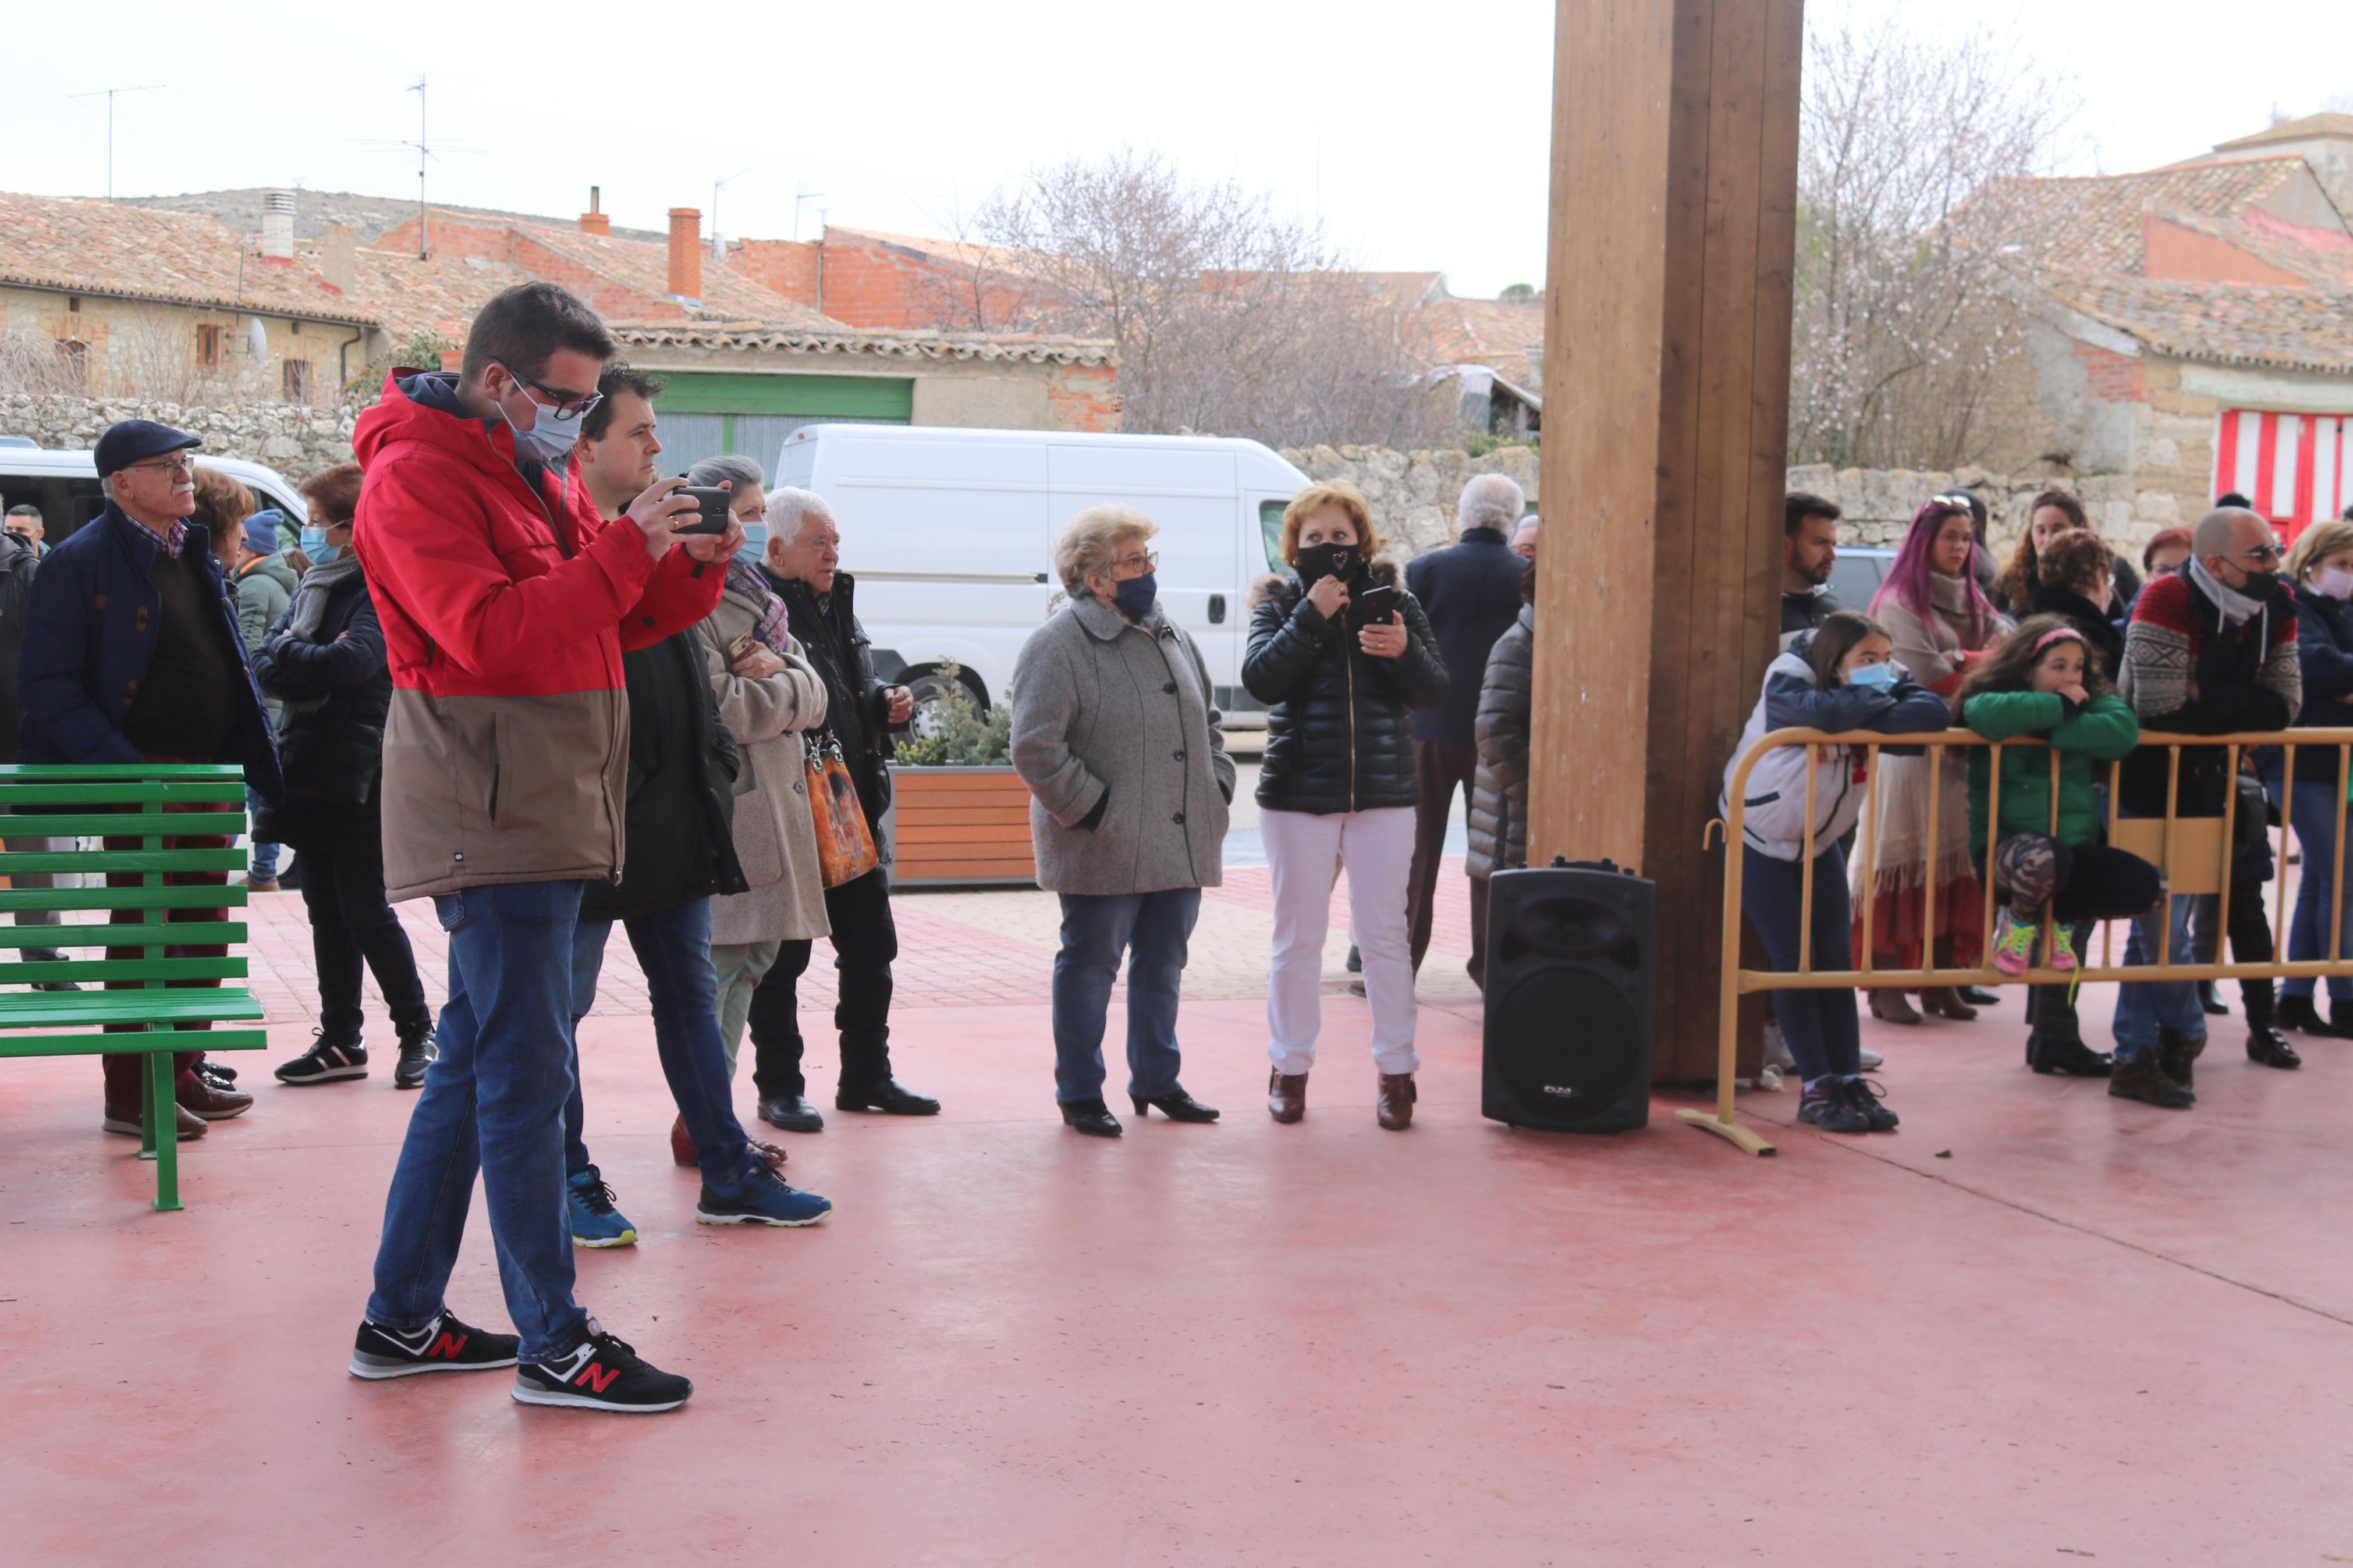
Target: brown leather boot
x=1396 y=1100
x=1890 y=1007
x=1286 y=1095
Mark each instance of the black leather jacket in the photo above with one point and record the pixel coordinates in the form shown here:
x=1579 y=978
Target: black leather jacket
x=1337 y=723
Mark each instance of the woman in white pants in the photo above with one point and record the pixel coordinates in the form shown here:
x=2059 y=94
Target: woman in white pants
x=1339 y=654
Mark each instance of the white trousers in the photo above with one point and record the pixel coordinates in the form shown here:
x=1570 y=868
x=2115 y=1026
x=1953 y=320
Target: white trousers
x=1305 y=852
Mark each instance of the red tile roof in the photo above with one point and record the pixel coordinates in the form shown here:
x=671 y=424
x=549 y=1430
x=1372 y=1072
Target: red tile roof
x=98 y=248
x=1505 y=335
x=2092 y=223
x=2234 y=323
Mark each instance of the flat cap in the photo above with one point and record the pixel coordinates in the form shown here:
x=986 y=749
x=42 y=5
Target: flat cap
x=135 y=441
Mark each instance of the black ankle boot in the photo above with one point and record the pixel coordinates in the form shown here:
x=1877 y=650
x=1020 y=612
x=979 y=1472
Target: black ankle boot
x=2068 y=1055
x=2144 y=1080
x=2298 y=1012
x=2210 y=1000
x=1091 y=1117
x=2177 y=1055
x=2266 y=1044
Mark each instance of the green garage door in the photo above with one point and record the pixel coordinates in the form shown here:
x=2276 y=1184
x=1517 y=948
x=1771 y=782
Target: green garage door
x=704 y=414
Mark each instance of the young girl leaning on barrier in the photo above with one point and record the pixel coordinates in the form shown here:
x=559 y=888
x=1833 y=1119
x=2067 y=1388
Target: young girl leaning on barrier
x=2043 y=681
x=1840 y=677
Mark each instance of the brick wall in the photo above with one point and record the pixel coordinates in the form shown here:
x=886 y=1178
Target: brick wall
x=788 y=267
x=2111 y=377
x=1085 y=397
x=872 y=282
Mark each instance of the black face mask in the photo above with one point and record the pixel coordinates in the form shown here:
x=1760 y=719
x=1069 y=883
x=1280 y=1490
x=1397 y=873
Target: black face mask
x=2262 y=586
x=1327 y=560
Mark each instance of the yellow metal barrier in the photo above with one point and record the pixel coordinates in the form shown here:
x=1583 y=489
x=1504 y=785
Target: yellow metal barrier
x=2191 y=853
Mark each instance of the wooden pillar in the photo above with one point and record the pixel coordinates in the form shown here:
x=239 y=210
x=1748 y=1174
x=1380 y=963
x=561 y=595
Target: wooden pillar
x=1666 y=413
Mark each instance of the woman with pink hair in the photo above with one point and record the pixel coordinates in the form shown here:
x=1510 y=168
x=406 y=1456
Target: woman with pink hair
x=1940 y=621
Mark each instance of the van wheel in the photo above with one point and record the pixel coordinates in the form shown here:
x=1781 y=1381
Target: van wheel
x=933 y=687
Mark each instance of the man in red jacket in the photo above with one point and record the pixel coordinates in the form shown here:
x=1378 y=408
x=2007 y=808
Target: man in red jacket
x=506 y=602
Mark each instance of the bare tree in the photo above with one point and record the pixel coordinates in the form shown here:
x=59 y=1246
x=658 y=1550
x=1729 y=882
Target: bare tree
x=40 y=364
x=1229 y=317
x=1901 y=327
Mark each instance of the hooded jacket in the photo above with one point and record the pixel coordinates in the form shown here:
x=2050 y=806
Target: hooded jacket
x=1336 y=727
x=506 y=607
x=1773 y=819
x=91 y=629
x=336 y=688
x=264 y=588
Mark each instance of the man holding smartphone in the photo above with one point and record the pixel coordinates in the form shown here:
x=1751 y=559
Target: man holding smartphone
x=506 y=601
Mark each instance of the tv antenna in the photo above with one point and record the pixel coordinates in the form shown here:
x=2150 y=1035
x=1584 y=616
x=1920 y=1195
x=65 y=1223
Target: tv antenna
x=800 y=196
x=427 y=150
x=719 y=245
x=109 y=94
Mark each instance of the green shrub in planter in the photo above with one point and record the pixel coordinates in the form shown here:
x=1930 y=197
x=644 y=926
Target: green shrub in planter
x=956 y=734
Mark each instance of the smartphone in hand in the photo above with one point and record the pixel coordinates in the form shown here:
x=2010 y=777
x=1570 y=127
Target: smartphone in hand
x=1376 y=607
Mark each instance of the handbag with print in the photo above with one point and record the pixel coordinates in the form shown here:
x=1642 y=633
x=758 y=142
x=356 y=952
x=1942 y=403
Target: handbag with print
x=845 y=845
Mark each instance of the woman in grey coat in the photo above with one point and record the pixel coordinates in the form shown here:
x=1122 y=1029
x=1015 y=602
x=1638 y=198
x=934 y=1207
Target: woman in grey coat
x=1114 y=734
x=1499 y=791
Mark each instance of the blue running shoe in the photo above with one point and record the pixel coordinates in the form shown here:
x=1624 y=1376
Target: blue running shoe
x=761 y=1199
x=594 y=1221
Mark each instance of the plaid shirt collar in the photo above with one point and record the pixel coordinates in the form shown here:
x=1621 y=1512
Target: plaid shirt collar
x=171 y=541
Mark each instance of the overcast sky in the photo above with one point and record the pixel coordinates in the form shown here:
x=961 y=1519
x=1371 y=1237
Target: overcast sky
x=1421 y=145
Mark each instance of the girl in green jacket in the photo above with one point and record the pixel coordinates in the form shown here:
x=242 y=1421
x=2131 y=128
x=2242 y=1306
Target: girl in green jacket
x=2043 y=681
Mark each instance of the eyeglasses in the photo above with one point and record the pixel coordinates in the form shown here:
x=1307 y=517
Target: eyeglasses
x=177 y=463
x=2259 y=553
x=567 y=405
x=1137 y=566
x=1955 y=498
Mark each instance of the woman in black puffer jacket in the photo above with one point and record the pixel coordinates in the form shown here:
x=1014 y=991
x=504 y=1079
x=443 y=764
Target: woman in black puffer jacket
x=325 y=661
x=1338 y=676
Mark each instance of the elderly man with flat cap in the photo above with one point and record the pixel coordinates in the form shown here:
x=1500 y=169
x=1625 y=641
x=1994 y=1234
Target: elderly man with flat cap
x=131 y=655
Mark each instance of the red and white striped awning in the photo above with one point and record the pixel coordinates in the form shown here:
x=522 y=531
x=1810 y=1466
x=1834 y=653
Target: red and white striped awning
x=2295 y=468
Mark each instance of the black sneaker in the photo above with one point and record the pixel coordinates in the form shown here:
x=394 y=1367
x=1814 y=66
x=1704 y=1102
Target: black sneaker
x=1826 y=1104
x=417 y=1052
x=443 y=1345
x=602 y=1373
x=326 y=1061
x=1866 y=1095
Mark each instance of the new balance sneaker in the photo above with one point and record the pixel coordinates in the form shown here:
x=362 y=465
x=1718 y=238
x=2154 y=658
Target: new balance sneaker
x=761 y=1199
x=2014 y=943
x=417 y=1052
x=1826 y=1104
x=602 y=1373
x=326 y=1061
x=1864 y=1095
x=594 y=1221
x=444 y=1344
x=1871 y=1060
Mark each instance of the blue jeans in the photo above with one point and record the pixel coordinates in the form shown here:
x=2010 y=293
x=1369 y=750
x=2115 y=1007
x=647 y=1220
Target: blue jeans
x=264 y=865
x=674 y=950
x=1819 y=1027
x=494 y=1101
x=1152 y=928
x=2144 y=1006
x=2314 y=816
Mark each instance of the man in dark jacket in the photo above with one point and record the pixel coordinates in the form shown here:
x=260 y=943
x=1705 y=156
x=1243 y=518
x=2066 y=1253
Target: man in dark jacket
x=19 y=564
x=681 y=852
x=2210 y=651
x=804 y=564
x=1808 y=551
x=131 y=654
x=1471 y=592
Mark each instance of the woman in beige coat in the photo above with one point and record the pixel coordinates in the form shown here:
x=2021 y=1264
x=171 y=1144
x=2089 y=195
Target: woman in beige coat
x=768 y=694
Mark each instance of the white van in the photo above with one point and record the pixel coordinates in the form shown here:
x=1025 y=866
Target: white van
x=950 y=534
x=64 y=485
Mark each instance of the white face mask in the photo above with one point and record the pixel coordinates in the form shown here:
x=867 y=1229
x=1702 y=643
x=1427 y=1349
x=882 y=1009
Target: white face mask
x=2334 y=581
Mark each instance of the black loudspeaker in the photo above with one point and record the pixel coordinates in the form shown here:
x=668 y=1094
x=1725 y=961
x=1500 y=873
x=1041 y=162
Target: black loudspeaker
x=1571 y=997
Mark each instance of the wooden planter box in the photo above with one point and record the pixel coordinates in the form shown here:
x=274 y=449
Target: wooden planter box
x=960 y=827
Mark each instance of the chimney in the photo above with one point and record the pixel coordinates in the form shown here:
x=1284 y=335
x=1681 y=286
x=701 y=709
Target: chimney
x=595 y=221
x=278 y=225
x=337 y=264
x=686 y=252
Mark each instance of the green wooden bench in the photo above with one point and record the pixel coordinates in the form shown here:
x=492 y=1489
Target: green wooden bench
x=123 y=801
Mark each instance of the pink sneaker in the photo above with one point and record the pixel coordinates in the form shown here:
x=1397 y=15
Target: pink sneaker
x=2014 y=945
x=2062 y=949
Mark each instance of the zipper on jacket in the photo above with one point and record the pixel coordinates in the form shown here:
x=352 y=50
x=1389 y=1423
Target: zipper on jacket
x=1348 y=659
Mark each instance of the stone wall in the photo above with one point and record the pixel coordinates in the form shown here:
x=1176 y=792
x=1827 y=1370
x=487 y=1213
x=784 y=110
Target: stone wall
x=1413 y=494
x=296 y=439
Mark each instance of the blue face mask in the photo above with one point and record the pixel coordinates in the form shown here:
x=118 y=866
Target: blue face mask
x=1878 y=677
x=1135 y=595
x=549 y=437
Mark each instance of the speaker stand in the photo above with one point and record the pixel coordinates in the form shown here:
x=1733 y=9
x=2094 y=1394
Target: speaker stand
x=1741 y=1138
